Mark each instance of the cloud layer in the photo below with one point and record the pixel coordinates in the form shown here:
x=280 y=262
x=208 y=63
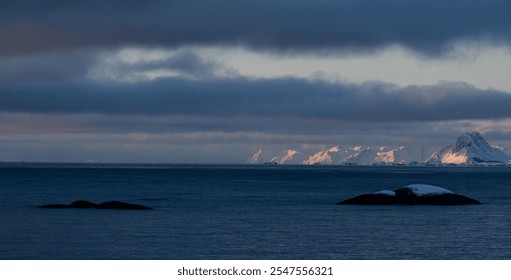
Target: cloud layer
x=286 y=98
x=429 y=27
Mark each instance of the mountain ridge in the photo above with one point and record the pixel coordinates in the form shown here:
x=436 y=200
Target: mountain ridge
x=470 y=149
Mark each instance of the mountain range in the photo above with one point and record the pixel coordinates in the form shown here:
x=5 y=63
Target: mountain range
x=470 y=149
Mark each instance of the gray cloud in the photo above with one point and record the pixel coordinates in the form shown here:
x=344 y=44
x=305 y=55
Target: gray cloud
x=285 y=98
x=47 y=67
x=182 y=63
x=83 y=66
x=429 y=27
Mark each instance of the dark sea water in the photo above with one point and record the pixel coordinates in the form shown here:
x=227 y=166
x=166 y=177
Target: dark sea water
x=249 y=212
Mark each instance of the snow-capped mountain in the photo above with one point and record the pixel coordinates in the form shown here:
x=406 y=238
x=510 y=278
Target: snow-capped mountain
x=404 y=154
x=256 y=158
x=334 y=155
x=289 y=157
x=470 y=148
x=354 y=155
x=362 y=156
x=386 y=155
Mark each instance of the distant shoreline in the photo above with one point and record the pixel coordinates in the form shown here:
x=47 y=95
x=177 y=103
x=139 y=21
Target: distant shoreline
x=14 y=164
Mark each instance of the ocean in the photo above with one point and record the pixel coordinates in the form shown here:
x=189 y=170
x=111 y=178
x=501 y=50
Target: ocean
x=248 y=212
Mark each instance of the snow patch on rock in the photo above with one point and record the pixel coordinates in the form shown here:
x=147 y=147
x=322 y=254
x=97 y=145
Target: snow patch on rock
x=421 y=189
x=386 y=192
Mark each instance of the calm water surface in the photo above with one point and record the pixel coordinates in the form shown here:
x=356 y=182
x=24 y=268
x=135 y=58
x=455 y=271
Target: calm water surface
x=249 y=212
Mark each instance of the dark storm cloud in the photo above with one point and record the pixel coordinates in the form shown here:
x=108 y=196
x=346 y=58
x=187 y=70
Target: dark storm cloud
x=261 y=98
x=78 y=65
x=48 y=67
x=283 y=25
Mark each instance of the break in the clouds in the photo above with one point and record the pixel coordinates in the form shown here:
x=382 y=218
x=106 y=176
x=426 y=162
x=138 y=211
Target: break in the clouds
x=287 y=26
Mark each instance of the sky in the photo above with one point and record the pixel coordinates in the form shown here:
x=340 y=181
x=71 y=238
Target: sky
x=213 y=81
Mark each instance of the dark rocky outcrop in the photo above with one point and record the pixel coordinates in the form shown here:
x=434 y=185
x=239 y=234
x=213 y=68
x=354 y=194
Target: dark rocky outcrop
x=375 y=199
x=408 y=196
x=54 y=206
x=382 y=199
x=122 y=206
x=117 y=205
x=82 y=204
